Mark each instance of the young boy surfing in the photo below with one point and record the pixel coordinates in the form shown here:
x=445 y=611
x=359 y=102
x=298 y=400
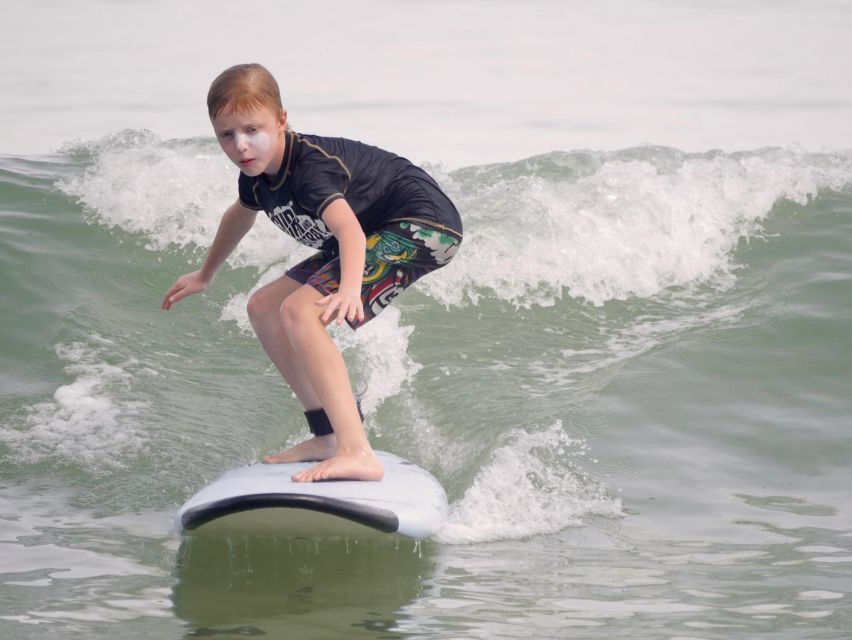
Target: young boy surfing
x=378 y=222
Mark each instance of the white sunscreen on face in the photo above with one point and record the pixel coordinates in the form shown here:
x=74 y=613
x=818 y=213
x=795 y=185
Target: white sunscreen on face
x=258 y=141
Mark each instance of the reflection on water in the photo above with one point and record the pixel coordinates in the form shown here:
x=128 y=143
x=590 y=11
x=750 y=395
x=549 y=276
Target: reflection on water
x=605 y=579
x=265 y=586
x=789 y=504
x=582 y=584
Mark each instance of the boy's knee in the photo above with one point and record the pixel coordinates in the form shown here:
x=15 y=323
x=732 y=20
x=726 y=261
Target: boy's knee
x=296 y=310
x=258 y=304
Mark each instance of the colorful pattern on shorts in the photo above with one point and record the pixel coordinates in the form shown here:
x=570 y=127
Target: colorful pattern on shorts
x=397 y=255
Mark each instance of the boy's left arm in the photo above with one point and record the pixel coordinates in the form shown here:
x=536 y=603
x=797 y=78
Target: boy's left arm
x=342 y=222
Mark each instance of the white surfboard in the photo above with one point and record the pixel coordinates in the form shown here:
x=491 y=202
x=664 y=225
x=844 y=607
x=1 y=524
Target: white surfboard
x=262 y=499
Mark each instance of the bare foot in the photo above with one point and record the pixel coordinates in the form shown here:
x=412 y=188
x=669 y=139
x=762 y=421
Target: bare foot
x=317 y=448
x=360 y=465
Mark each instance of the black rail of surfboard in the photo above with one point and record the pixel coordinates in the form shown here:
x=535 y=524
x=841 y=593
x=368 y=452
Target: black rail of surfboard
x=380 y=519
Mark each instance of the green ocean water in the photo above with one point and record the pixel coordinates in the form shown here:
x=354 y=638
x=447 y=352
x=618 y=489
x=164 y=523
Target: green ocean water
x=633 y=383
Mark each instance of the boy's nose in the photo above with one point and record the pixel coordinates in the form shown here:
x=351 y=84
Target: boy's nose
x=241 y=141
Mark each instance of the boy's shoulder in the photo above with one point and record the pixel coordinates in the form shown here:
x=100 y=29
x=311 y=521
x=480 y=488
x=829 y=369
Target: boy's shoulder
x=348 y=150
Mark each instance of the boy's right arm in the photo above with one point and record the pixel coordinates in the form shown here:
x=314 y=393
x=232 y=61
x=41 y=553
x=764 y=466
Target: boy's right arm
x=235 y=223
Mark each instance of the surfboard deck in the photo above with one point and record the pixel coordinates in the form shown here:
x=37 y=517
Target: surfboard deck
x=261 y=499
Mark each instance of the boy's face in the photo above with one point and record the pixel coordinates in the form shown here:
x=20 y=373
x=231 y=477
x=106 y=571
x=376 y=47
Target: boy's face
x=252 y=140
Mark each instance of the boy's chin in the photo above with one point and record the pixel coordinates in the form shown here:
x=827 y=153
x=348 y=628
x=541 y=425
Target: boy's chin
x=252 y=171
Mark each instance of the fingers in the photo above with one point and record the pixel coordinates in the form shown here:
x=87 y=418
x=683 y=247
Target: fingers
x=324 y=302
x=333 y=303
x=346 y=306
x=167 y=303
x=168 y=300
x=351 y=310
x=355 y=312
x=180 y=295
x=179 y=290
x=330 y=306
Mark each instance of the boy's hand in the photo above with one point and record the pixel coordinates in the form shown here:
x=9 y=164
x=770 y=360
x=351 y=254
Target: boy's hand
x=347 y=304
x=186 y=285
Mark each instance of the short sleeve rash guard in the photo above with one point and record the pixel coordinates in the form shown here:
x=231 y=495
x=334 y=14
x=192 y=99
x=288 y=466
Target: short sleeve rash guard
x=316 y=171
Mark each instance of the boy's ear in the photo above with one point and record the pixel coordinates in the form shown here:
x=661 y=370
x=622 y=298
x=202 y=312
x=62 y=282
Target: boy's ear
x=283 y=121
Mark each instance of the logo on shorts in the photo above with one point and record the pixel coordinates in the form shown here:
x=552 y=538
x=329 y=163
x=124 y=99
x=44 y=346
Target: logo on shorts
x=305 y=229
x=385 y=291
x=385 y=248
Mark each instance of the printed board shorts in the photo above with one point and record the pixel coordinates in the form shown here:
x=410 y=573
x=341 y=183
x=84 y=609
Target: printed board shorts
x=399 y=253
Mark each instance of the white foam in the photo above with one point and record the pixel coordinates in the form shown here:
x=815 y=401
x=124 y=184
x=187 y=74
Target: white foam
x=91 y=421
x=609 y=226
x=379 y=350
x=173 y=192
x=530 y=486
x=418 y=437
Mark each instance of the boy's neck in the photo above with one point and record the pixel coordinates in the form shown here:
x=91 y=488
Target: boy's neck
x=275 y=167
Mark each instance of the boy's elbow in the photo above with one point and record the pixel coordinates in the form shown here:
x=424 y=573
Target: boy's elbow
x=349 y=233
x=240 y=215
x=239 y=209
x=353 y=237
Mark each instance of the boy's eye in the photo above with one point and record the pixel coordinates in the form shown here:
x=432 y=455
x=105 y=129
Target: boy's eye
x=252 y=129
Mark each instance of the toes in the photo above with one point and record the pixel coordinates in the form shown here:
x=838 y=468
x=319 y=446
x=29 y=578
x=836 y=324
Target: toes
x=319 y=472
x=307 y=475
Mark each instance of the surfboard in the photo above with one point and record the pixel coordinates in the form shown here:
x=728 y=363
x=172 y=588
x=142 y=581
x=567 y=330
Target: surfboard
x=261 y=499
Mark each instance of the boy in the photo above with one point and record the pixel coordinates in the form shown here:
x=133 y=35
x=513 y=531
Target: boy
x=379 y=223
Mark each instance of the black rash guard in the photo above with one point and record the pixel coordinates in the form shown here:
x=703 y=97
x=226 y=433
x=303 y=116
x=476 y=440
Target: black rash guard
x=379 y=186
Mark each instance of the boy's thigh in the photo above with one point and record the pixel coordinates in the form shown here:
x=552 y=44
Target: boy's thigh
x=400 y=254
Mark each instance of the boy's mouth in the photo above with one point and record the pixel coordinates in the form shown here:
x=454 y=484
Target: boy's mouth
x=247 y=161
